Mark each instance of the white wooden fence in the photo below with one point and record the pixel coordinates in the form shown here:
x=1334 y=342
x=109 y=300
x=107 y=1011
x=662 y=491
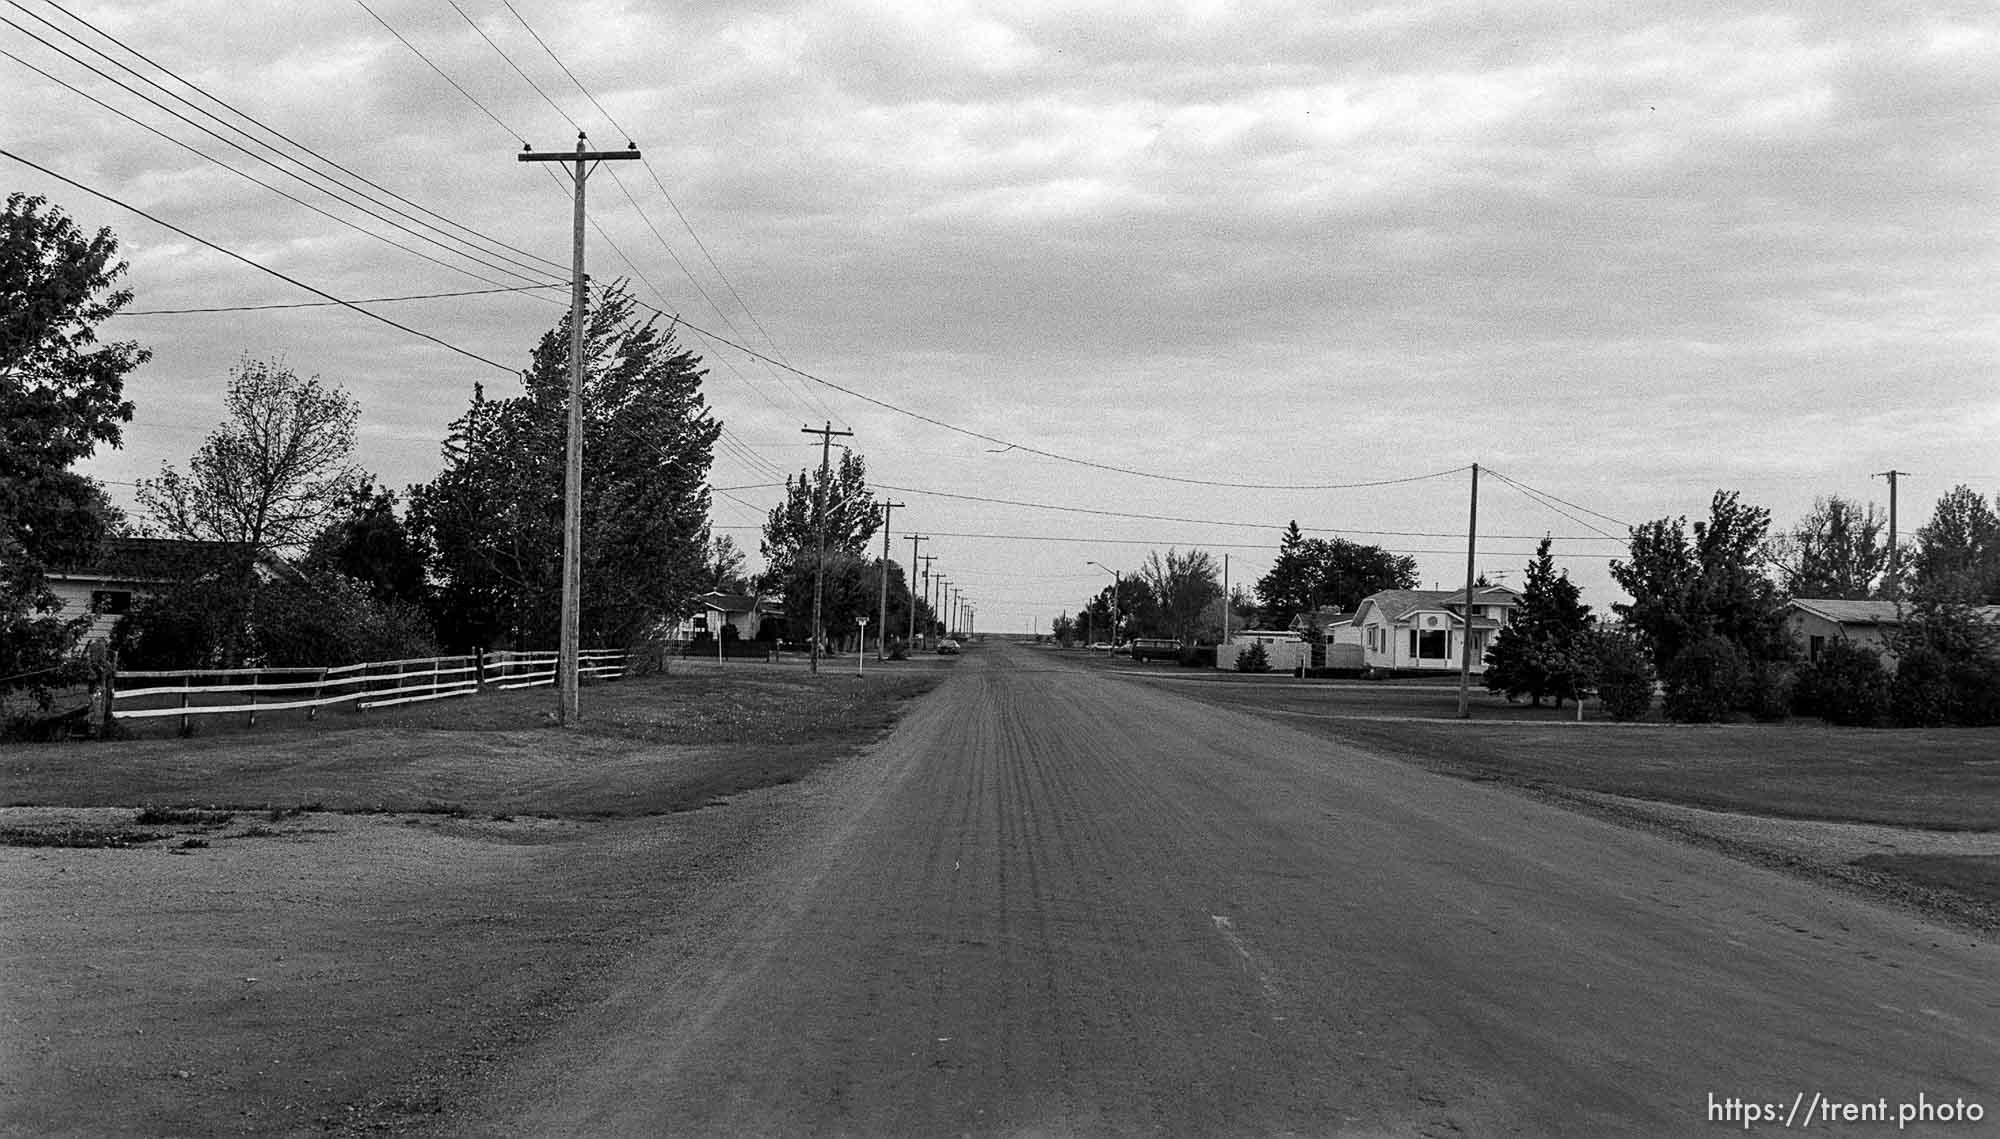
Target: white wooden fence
x=374 y=684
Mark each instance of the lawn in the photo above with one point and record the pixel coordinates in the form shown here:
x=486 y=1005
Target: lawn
x=644 y=746
x=1940 y=779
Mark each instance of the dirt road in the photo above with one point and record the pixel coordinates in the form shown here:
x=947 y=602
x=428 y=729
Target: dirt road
x=1056 y=902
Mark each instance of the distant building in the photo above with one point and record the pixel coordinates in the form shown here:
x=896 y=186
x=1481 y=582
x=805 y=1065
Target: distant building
x=1815 y=623
x=749 y=616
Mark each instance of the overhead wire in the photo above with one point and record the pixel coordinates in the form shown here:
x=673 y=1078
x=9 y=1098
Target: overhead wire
x=316 y=291
x=491 y=266
x=330 y=304
x=1207 y=521
x=1548 y=501
x=355 y=183
x=808 y=395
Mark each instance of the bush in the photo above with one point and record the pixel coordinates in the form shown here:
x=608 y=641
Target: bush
x=1624 y=678
x=1846 y=686
x=1975 y=693
x=1703 y=682
x=335 y=620
x=1920 y=696
x=1767 y=690
x=1253 y=659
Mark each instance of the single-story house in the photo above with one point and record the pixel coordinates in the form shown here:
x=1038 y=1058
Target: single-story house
x=748 y=615
x=1339 y=638
x=127 y=569
x=1412 y=630
x=1814 y=623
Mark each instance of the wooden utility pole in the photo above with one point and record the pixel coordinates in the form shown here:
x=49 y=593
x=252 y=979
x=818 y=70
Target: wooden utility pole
x=914 y=539
x=567 y=709
x=882 y=630
x=826 y=435
x=1471 y=555
x=1895 y=555
x=928 y=559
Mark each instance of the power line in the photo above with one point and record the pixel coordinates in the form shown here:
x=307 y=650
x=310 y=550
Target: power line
x=343 y=188
x=1059 y=457
x=337 y=196
x=1564 y=501
x=1214 y=521
x=331 y=304
x=439 y=341
x=442 y=75
x=574 y=125
x=1185 y=544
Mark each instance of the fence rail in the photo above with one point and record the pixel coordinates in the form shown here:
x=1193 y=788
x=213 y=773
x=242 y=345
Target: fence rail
x=372 y=684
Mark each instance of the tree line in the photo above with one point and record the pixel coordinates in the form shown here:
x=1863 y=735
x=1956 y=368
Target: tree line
x=299 y=556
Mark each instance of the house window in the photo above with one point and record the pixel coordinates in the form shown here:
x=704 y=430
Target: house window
x=1413 y=644
x=1433 y=645
x=1816 y=647
x=113 y=601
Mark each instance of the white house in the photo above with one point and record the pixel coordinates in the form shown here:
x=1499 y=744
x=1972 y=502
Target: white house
x=127 y=569
x=1420 y=630
x=746 y=614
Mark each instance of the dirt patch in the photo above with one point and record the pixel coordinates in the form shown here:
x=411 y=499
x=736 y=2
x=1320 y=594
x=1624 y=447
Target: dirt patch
x=331 y=927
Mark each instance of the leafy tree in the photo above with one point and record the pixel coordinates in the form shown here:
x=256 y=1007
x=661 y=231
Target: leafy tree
x=1840 y=550
x=791 y=542
x=1184 y=584
x=1548 y=650
x=1948 y=665
x=1624 y=675
x=332 y=619
x=1958 y=551
x=1684 y=591
x=373 y=546
x=1064 y=629
x=273 y=474
x=494 y=515
x=722 y=568
x=1702 y=681
x=1314 y=572
x=61 y=395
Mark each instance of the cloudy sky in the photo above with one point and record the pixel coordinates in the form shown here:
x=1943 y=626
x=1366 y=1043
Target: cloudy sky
x=1622 y=254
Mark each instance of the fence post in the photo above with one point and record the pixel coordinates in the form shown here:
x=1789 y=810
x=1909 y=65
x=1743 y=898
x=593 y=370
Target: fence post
x=187 y=682
x=319 y=690
x=253 y=697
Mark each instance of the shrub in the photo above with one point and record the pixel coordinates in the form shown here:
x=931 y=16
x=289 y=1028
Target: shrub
x=1920 y=696
x=1846 y=686
x=1703 y=682
x=1253 y=659
x=1767 y=690
x=1624 y=678
x=1975 y=693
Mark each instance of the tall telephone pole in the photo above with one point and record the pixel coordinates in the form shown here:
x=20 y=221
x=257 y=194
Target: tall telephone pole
x=826 y=435
x=914 y=539
x=567 y=709
x=1895 y=555
x=882 y=630
x=1471 y=555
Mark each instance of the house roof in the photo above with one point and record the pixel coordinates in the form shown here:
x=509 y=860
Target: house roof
x=1329 y=616
x=728 y=602
x=150 y=559
x=1849 y=612
x=1485 y=595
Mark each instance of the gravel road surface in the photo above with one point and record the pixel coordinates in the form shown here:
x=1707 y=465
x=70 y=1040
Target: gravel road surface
x=1054 y=902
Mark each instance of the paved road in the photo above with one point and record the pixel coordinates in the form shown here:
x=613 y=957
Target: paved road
x=1055 y=902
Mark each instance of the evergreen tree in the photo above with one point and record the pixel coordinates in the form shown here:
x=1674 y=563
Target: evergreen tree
x=1548 y=650
x=493 y=517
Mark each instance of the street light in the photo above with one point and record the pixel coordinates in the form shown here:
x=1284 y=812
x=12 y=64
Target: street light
x=1117 y=580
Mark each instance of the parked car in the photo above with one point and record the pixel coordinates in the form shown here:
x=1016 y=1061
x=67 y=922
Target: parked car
x=1101 y=647
x=947 y=647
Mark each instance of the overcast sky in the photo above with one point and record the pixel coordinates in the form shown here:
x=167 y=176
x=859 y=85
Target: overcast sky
x=1623 y=254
